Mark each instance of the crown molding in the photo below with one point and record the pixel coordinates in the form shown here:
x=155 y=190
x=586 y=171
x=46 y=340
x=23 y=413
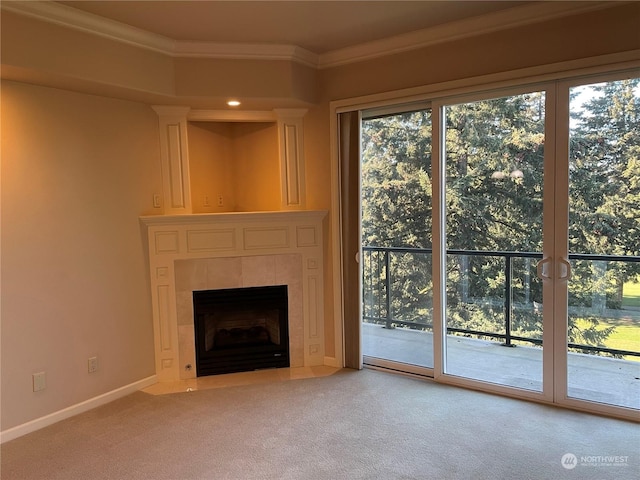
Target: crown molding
x=73 y=18
x=89 y=23
x=245 y=51
x=483 y=24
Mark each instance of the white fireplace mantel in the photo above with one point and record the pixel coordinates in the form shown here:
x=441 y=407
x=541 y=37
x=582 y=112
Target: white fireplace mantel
x=232 y=250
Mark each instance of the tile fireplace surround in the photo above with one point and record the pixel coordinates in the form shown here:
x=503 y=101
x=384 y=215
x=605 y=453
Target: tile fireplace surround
x=233 y=250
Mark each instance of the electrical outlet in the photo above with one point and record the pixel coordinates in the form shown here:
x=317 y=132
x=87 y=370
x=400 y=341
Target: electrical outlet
x=93 y=364
x=220 y=200
x=39 y=381
x=205 y=201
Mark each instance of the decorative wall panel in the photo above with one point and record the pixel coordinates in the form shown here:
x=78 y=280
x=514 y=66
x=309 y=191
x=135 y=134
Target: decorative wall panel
x=211 y=240
x=174 y=159
x=292 y=167
x=261 y=238
x=166 y=242
x=164 y=316
x=306 y=236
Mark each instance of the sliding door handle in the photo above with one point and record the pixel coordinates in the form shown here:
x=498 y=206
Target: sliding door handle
x=542 y=269
x=565 y=267
x=357 y=257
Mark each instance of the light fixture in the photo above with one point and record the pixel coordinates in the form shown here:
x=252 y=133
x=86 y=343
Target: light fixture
x=233 y=103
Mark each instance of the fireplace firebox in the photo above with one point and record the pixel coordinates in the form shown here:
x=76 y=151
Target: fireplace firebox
x=241 y=329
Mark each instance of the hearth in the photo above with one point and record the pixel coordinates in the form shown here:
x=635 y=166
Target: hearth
x=241 y=329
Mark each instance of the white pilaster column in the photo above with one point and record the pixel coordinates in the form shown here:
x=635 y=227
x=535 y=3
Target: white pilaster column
x=174 y=151
x=292 y=167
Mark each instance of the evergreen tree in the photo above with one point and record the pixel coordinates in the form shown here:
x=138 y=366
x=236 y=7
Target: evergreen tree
x=604 y=199
x=604 y=171
x=396 y=212
x=494 y=201
x=494 y=164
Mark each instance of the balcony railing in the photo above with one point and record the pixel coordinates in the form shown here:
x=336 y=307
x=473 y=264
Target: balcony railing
x=379 y=274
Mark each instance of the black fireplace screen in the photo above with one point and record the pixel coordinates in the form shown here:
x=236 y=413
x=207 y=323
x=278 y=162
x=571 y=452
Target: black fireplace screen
x=241 y=329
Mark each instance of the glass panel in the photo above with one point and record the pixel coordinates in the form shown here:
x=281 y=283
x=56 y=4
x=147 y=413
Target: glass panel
x=494 y=157
x=603 y=362
x=396 y=237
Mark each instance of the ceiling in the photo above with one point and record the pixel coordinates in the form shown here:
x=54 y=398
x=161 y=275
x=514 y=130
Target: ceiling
x=318 y=26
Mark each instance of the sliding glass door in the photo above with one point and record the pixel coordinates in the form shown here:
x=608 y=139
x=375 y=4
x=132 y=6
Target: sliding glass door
x=501 y=240
x=603 y=305
x=494 y=158
x=397 y=324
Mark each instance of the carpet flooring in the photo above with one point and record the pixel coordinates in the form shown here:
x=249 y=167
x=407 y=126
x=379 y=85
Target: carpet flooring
x=351 y=425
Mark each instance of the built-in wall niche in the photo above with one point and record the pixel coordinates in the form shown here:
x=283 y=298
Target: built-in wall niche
x=234 y=166
x=231 y=161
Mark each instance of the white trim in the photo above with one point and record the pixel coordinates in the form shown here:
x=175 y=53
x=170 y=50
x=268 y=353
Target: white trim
x=76 y=409
x=293 y=194
x=559 y=245
x=439 y=241
x=550 y=216
x=395 y=109
x=585 y=406
x=70 y=17
x=73 y=18
x=232 y=217
x=395 y=366
x=483 y=24
x=245 y=51
x=266 y=116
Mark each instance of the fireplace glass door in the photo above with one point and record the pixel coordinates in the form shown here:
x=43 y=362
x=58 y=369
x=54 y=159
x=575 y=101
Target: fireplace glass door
x=241 y=329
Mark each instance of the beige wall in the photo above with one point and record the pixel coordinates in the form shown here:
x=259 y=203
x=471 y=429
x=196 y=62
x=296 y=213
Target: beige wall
x=256 y=166
x=589 y=35
x=77 y=171
x=210 y=166
x=239 y=161
x=206 y=77
x=36 y=48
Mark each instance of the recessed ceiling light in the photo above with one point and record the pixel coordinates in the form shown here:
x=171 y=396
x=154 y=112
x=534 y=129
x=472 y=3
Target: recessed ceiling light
x=233 y=103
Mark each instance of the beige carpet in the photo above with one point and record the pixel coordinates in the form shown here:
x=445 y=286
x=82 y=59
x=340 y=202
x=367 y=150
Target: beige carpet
x=351 y=425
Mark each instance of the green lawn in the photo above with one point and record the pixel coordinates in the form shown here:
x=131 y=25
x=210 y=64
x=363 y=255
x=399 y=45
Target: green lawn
x=625 y=337
x=631 y=294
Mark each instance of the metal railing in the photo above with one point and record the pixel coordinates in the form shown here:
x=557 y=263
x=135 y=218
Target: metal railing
x=383 y=274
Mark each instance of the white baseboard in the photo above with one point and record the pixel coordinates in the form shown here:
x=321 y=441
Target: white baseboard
x=94 y=402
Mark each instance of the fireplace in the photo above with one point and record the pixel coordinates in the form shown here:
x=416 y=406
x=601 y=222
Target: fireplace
x=241 y=329
x=196 y=253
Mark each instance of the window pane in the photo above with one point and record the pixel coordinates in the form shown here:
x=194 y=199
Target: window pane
x=604 y=243
x=396 y=236
x=494 y=181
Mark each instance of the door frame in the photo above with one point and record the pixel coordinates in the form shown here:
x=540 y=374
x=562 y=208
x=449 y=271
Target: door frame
x=439 y=240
